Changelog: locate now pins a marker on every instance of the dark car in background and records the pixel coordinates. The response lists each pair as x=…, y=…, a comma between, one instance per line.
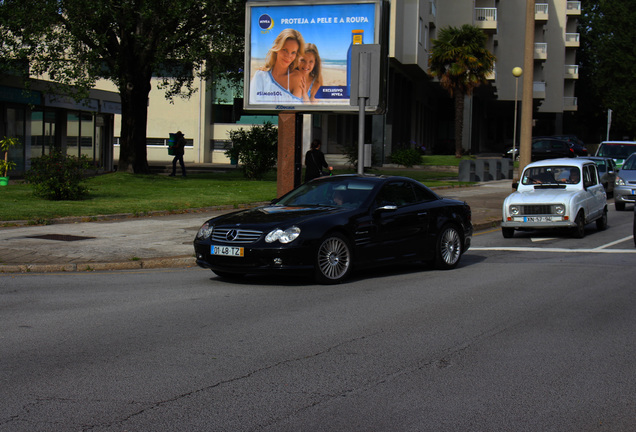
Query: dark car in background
x=550, y=148
x=577, y=145
x=332, y=225
x=607, y=170
x=546, y=148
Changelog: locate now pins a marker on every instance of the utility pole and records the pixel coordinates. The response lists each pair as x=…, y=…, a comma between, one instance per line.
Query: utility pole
x=525, y=141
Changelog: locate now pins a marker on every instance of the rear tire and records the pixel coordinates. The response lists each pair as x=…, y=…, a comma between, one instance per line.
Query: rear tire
x=601, y=223
x=448, y=249
x=333, y=259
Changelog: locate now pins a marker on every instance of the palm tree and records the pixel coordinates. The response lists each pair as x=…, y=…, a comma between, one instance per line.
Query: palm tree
x=461, y=62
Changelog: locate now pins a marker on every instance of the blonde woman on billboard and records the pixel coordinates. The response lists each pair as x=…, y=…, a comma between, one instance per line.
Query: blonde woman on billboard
x=272, y=83
x=307, y=79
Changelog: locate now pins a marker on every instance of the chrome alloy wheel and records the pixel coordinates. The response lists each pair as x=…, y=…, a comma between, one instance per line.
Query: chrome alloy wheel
x=449, y=248
x=333, y=260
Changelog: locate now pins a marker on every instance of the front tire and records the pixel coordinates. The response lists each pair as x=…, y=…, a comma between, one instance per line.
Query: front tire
x=508, y=232
x=620, y=206
x=448, y=249
x=333, y=259
x=579, y=230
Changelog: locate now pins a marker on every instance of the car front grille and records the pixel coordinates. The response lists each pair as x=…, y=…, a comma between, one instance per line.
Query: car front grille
x=233, y=235
x=537, y=209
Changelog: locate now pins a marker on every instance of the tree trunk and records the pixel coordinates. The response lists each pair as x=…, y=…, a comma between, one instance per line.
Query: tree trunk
x=459, y=123
x=133, y=156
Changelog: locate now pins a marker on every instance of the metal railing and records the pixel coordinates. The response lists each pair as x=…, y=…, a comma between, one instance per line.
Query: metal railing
x=485, y=14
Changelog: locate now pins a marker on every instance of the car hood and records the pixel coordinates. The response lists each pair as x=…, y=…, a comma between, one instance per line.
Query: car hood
x=541, y=196
x=273, y=215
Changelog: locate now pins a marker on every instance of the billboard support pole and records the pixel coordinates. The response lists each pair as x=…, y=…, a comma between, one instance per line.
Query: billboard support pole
x=365, y=87
x=362, y=102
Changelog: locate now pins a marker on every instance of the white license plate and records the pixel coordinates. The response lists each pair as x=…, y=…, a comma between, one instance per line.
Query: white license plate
x=227, y=251
x=537, y=219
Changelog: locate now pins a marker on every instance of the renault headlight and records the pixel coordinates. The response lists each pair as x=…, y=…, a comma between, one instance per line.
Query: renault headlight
x=514, y=210
x=286, y=236
x=205, y=231
x=559, y=209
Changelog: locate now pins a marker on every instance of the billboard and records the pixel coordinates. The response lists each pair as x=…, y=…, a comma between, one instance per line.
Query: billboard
x=298, y=53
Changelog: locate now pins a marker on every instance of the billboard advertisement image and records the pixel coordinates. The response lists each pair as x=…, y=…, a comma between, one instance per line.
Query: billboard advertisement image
x=298, y=55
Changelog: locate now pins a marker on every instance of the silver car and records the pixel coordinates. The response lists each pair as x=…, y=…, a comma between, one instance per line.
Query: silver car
x=556, y=193
x=625, y=184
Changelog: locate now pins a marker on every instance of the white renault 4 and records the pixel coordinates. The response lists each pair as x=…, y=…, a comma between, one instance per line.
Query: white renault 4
x=556, y=193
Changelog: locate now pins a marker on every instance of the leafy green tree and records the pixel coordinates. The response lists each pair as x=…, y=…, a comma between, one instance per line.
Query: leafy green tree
x=608, y=61
x=461, y=62
x=256, y=150
x=127, y=42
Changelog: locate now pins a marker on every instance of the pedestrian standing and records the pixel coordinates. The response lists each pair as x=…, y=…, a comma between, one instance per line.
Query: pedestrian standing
x=179, y=150
x=315, y=162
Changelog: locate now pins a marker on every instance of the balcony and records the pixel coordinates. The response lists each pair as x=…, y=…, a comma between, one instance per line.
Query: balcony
x=570, y=104
x=538, y=90
x=573, y=8
x=486, y=18
x=571, y=71
x=492, y=75
x=572, y=40
x=540, y=51
x=541, y=12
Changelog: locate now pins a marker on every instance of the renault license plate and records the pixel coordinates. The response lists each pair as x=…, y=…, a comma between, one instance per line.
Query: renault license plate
x=537, y=219
x=227, y=251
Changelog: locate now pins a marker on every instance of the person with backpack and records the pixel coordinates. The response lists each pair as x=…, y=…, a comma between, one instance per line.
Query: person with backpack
x=179, y=150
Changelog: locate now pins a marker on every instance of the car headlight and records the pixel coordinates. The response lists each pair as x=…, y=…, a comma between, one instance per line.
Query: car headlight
x=559, y=209
x=619, y=181
x=514, y=210
x=286, y=236
x=205, y=231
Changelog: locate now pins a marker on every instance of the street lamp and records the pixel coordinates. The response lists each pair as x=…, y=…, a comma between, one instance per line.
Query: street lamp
x=516, y=71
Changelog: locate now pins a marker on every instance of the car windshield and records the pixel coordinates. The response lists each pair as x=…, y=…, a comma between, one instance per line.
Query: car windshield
x=348, y=192
x=551, y=175
x=616, y=151
x=630, y=163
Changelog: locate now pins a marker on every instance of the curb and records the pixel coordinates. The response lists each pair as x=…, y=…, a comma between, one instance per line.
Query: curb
x=146, y=263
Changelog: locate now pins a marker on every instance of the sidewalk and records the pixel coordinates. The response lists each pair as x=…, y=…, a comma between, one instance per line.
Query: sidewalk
x=163, y=241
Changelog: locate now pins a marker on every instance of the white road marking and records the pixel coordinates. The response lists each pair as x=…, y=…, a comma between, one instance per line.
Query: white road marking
x=555, y=250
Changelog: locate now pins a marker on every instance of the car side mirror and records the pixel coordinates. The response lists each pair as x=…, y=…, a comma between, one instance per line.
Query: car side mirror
x=515, y=185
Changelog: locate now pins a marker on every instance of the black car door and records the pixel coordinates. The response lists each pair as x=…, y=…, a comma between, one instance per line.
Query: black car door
x=400, y=220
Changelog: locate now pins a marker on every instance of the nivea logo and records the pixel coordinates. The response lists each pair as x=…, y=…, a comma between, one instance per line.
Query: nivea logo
x=265, y=22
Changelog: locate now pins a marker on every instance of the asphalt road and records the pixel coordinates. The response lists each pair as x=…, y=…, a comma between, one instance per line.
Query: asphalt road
x=531, y=333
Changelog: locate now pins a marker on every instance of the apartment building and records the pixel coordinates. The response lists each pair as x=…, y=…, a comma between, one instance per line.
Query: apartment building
x=418, y=112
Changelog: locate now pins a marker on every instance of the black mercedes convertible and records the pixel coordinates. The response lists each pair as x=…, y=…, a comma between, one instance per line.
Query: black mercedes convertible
x=332, y=226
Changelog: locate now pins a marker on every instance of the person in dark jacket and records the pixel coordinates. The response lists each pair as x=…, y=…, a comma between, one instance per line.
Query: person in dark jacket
x=315, y=162
x=179, y=150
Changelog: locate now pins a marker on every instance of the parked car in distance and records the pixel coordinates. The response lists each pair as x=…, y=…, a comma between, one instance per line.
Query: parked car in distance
x=625, y=185
x=556, y=193
x=576, y=144
x=607, y=170
x=634, y=230
x=331, y=225
x=617, y=150
x=546, y=148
